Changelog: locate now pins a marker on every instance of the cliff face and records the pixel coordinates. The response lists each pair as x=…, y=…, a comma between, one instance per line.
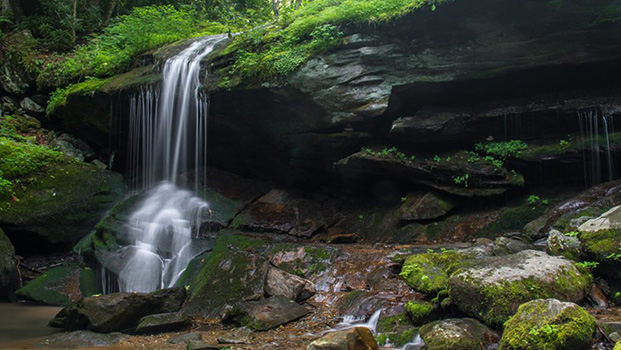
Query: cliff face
x=429, y=82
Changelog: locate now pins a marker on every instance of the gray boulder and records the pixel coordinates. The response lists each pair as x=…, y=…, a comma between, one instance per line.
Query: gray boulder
x=457, y=334
x=493, y=288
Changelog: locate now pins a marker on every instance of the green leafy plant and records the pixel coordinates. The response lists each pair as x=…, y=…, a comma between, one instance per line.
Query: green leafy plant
x=587, y=264
x=462, y=179
x=572, y=234
x=534, y=200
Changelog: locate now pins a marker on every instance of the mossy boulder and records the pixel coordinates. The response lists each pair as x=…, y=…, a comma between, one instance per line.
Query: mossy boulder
x=617, y=346
x=549, y=325
x=493, y=288
x=429, y=272
x=60, y=205
x=457, y=334
x=8, y=270
x=62, y=286
x=235, y=270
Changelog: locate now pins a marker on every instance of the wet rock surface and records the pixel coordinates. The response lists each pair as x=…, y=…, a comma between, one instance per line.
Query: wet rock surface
x=265, y=314
x=8, y=269
x=80, y=339
x=160, y=323
x=118, y=311
x=358, y=338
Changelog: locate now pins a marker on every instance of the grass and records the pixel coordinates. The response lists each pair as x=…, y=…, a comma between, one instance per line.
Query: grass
x=112, y=51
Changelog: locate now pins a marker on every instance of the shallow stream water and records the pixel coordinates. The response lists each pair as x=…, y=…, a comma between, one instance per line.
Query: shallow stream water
x=22, y=322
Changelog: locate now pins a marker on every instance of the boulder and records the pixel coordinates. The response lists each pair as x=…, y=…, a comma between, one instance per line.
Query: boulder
x=283, y=212
x=617, y=346
x=457, y=334
x=549, y=324
x=80, y=340
x=160, y=323
x=559, y=244
x=61, y=286
x=279, y=282
x=8, y=270
x=357, y=338
x=428, y=206
x=60, y=205
x=265, y=314
x=233, y=271
x=610, y=220
x=73, y=147
x=118, y=311
x=493, y=288
x=420, y=311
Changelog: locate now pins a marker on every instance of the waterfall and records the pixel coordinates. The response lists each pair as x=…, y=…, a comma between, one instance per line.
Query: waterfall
x=167, y=137
x=595, y=138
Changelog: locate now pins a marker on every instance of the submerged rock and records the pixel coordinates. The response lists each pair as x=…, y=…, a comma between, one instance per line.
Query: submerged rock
x=118, y=311
x=358, y=338
x=293, y=287
x=80, y=339
x=457, y=334
x=265, y=314
x=8, y=269
x=62, y=286
x=493, y=288
x=549, y=324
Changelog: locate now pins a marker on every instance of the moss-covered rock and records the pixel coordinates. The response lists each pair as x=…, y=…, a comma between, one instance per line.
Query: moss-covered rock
x=395, y=329
x=549, y=325
x=493, y=288
x=234, y=271
x=61, y=204
x=62, y=286
x=8, y=270
x=457, y=334
x=430, y=272
x=420, y=311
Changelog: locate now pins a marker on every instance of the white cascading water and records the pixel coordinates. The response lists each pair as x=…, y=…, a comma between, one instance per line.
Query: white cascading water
x=167, y=138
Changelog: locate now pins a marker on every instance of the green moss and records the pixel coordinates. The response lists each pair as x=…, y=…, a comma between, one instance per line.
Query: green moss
x=387, y=324
x=60, y=97
x=504, y=297
x=269, y=52
x=513, y=219
x=397, y=339
x=20, y=159
x=61, y=286
x=535, y=327
x=419, y=311
x=430, y=272
x=601, y=244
